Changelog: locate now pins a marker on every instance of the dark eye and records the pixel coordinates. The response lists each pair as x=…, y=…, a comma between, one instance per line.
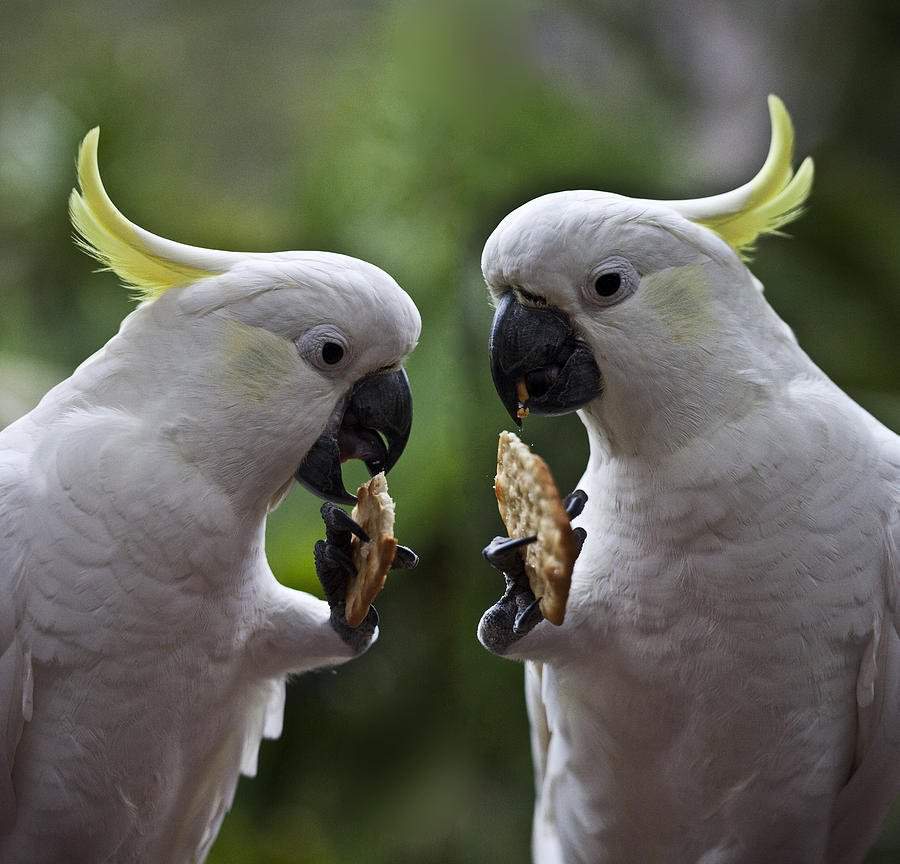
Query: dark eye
x=611, y=282
x=332, y=353
x=325, y=347
x=606, y=284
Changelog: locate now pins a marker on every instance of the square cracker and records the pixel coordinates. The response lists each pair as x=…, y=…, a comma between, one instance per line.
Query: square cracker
x=529, y=504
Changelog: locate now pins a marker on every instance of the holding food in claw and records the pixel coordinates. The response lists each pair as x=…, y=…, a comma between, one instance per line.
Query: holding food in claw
x=374, y=554
x=538, y=556
x=352, y=563
x=725, y=686
x=144, y=641
x=530, y=508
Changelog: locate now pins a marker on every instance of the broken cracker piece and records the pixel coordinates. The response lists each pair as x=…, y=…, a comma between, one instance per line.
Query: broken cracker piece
x=530, y=504
x=522, y=396
x=374, y=512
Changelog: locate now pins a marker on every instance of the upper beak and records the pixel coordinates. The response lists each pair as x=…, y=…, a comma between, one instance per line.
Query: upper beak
x=538, y=363
x=372, y=424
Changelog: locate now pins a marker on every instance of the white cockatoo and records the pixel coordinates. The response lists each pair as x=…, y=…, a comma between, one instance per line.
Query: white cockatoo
x=724, y=687
x=144, y=641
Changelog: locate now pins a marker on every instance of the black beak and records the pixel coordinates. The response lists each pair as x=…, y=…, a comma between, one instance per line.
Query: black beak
x=538, y=363
x=372, y=424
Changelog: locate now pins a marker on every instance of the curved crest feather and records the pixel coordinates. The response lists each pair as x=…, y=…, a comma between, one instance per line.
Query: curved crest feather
x=764, y=205
x=148, y=264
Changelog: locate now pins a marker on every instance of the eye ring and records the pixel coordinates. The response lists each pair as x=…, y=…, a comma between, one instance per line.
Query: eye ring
x=324, y=347
x=611, y=281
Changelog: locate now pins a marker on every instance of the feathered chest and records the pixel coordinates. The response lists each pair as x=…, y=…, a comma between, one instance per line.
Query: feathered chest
x=764, y=545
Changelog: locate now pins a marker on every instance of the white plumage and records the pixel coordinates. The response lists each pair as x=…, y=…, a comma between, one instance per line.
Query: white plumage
x=144, y=641
x=725, y=685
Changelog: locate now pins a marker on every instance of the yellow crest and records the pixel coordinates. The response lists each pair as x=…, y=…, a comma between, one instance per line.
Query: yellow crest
x=148, y=264
x=772, y=199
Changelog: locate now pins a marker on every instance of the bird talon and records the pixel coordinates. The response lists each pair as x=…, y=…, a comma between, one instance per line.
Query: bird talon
x=574, y=503
x=499, y=553
x=404, y=559
x=528, y=618
x=339, y=522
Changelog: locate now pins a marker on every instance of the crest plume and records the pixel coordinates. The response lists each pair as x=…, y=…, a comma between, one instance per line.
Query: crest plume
x=149, y=264
x=768, y=202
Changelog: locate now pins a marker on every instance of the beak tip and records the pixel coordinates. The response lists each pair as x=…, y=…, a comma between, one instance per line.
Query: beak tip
x=341, y=496
x=333, y=492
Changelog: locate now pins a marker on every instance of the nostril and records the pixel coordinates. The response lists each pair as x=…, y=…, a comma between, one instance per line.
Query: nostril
x=539, y=381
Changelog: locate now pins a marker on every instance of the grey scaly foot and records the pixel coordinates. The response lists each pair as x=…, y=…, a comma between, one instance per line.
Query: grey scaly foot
x=518, y=611
x=334, y=567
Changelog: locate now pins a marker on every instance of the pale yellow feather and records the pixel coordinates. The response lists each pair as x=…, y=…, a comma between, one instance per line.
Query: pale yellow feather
x=777, y=195
x=108, y=236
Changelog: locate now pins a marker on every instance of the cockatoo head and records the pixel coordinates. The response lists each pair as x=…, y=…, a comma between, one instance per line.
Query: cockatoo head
x=258, y=366
x=641, y=313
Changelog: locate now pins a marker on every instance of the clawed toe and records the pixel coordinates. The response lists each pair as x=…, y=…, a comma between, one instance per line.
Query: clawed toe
x=502, y=552
x=339, y=521
x=574, y=503
x=518, y=611
x=404, y=559
x=528, y=618
x=335, y=569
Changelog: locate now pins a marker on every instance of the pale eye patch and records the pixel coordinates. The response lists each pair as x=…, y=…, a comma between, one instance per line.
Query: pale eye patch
x=681, y=298
x=256, y=362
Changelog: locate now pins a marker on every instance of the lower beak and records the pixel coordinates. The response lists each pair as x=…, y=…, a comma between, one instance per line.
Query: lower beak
x=371, y=424
x=538, y=363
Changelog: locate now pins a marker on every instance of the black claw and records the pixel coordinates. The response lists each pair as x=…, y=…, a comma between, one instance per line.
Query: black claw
x=574, y=503
x=333, y=579
x=518, y=611
x=528, y=617
x=340, y=522
x=499, y=552
x=405, y=559
x=340, y=558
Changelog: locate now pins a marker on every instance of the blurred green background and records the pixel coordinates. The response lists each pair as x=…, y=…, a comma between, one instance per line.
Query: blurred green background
x=402, y=132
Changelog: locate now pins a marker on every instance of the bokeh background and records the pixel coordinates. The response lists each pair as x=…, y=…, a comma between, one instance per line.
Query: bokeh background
x=401, y=132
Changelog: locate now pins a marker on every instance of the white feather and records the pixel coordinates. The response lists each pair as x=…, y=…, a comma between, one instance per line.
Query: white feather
x=133, y=502
x=724, y=687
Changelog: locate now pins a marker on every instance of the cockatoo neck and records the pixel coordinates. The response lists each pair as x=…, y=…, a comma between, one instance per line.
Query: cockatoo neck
x=223, y=417
x=675, y=406
x=657, y=423
x=666, y=398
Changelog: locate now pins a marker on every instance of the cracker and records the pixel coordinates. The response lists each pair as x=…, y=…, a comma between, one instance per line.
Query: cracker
x=374, y=511
x=530, y=504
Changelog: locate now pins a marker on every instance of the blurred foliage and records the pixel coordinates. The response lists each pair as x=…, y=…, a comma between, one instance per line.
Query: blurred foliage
x=401, y=132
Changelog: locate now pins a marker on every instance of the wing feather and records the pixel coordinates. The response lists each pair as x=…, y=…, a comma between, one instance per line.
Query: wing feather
x=864, y=801
x=545, y=837
x=15, y=658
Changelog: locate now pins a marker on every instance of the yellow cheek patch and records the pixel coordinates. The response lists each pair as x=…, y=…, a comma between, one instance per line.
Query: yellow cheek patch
x=681, y=299
x=256, y=362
